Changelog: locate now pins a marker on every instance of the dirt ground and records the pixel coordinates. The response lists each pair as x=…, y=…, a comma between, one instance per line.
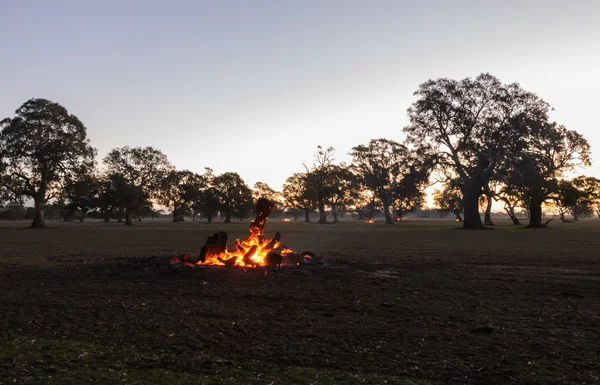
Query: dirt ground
x=406, y=319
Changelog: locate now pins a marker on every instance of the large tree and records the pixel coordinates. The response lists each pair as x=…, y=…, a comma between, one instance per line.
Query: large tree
x=234, y=195
x=141, y=169
x=474, y=125
x=42, y=147
x=299, y=195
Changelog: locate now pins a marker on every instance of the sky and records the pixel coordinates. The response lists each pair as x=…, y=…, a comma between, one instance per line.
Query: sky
x=254, y=86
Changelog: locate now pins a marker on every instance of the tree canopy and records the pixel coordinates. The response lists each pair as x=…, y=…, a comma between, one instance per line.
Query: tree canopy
x=42, y=147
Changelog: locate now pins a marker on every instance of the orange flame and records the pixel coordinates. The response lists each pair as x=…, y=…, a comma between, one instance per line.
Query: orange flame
x=250, y=252
x=369, y=221
x=286, y=219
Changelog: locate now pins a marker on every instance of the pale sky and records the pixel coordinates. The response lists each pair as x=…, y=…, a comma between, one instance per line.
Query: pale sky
x=255, y=86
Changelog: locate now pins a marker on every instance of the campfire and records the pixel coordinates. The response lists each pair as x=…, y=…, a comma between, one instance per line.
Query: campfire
x=254, y=251
x=287, y=220
x=369, y=221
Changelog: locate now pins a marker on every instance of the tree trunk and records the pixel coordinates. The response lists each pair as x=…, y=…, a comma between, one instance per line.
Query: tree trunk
x=295, y=215
x=471, y=193
x=306, y=214
x=38, y=219
x=120, y=215
x=511, y=214
x=209, y=218
x=227, y=216
x=574, y=212
x=81, y=217
x=386, y=212
x=488, y=210
x=128, y=216
x=562, y=216
x=535, y=213
x=322, y=215
x=335, y=215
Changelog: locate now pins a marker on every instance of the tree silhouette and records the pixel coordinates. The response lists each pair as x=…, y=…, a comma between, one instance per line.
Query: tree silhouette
x=474, y=125
x=141, y=170
x=179, y=190
x=234, y=195
x=535, y=172
x=299, y=194
x=449, y=200
x=42, y=147
x=589, y=188
x=318, y=177
x=82, y=193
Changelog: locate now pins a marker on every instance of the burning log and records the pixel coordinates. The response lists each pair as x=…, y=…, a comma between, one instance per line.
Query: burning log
x=273, y=243
x=255, y=250
x=227, y=262
x=273, y=259
x=247, y=259
x=214, y=246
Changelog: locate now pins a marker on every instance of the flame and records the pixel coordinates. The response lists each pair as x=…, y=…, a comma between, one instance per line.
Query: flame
x=286, y=220
x=457, y=220
x=369, y=221
x=398, y=219
x=250, y=252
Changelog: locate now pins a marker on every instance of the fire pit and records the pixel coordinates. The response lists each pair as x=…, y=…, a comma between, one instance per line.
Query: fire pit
x=254, y=251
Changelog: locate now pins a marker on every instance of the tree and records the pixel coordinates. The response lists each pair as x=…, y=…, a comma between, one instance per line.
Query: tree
x=474, y=125
x=380, y=166
x=42, y=146
x=234, y=195
x=318, y=177
x=589, y=187
x=449, y=200
x=298, y=194
x=408, y=194
x=337, y=189
x=180, y=190
x=535, y=172
x=82, y=193
x=140, y=170
x=263, y=190
x=565, y=199
x=587, y=190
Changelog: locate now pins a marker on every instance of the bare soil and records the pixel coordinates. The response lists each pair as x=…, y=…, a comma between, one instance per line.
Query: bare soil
x=412, y=320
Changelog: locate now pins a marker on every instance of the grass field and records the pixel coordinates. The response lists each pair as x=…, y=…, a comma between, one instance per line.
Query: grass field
x=420, y=302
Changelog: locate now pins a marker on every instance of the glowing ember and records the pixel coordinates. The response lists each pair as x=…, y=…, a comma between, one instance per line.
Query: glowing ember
x=286, y=219
x=457, y=220
x=369, y=221
x=397, y=219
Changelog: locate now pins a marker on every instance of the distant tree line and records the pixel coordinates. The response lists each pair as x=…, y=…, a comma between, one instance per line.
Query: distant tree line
x=484, y=141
